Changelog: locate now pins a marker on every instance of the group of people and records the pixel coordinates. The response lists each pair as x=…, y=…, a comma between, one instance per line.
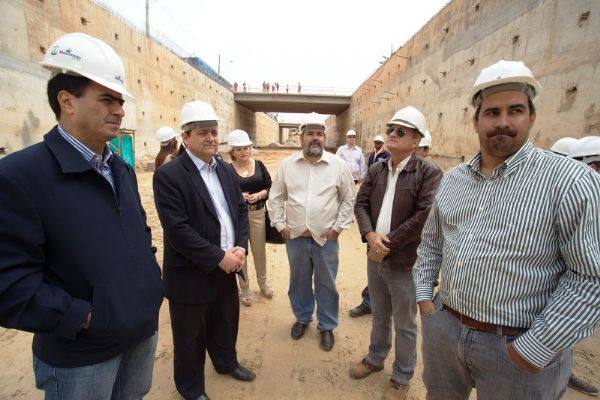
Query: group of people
x=235, y=87
x=501, y=256
x=274, y=87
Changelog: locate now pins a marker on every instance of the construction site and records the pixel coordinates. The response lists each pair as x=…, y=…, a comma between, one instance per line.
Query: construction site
x=433, y=71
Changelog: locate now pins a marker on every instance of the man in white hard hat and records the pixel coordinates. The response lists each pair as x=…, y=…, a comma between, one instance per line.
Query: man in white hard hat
x=424, y=145
x=311, y=203
x=353, y=156
x=379, y=153
x=76, y=266
x=563, y=147
x=513, y=237
x=587, y=151
x=391, y=208
x=205, y=225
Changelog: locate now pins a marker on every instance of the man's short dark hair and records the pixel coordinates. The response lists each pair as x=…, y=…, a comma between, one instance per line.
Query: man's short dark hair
x=529, y=104
x=73, y=84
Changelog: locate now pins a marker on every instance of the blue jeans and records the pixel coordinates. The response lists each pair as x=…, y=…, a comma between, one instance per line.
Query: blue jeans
x=457, y=358
x=393, y=299
x=127, y=376
x=366, y=299
x=306, y=258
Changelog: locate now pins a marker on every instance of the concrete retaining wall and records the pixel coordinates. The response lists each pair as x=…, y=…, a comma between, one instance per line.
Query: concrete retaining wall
x=435, y=70
x=159, y=79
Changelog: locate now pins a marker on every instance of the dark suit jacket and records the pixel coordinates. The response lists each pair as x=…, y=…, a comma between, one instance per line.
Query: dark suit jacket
x=68, y=244
x=415, y=191
x=192, y=233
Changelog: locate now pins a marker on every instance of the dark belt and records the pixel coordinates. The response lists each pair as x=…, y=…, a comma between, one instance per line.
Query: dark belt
x=256, y=206
x=484, y=326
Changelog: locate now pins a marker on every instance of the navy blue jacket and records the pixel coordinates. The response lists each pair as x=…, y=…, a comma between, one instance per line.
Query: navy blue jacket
x=69, y=245
x=192, y=232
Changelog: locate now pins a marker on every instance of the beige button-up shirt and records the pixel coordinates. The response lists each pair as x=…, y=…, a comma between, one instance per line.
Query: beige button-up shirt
x=313, y=197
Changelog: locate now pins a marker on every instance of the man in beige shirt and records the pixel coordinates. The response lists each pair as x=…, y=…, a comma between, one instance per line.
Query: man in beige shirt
x=311, y=201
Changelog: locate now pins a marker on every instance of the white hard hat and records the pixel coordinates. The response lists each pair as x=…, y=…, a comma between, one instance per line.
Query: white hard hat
x=378, y=138
x=563, y=145
x=425, y=140
x=312, y=119
x=504, y=72
x=197, y=111
x=409, y=117
x=350, y=133
x=81, y=54
x=238, y=138
x=586, y=148
x=165, y=134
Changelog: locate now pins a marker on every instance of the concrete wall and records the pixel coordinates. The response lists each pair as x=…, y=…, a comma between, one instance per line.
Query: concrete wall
x=435, y=70
x=160, y=81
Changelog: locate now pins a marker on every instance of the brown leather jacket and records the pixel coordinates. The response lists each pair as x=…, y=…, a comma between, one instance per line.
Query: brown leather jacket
x=415, y=191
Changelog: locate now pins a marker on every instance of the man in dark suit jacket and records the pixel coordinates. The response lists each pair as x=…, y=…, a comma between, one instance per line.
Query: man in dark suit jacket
x=76, y=266
x=205, y=223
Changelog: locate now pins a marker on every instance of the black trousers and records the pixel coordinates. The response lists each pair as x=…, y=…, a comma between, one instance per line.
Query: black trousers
x=198, y=328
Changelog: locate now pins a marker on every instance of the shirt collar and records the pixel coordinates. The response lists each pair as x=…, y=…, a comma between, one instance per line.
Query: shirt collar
x=400, y=167
x=511, y=164
x=325, y=157
x=85, y=151
x=201, y=164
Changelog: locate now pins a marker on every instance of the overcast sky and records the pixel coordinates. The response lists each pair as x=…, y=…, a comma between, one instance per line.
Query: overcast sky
x=319, y=43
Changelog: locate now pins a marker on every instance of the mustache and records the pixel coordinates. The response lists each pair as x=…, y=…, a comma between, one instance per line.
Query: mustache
x=502, y=131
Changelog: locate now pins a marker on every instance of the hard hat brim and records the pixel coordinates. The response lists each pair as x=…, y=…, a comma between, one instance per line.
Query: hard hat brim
x=110, y=85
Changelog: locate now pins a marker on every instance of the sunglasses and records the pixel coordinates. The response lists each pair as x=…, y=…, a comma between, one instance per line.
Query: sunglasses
x=352, y=137
x=399, y=131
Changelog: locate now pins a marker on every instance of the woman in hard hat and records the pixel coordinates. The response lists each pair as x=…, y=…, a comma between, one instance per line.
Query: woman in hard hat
x=168, y=145
x=255, y=183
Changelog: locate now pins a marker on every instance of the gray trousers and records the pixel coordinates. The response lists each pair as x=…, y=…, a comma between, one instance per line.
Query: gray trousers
x=457, y=358
x=393, y=300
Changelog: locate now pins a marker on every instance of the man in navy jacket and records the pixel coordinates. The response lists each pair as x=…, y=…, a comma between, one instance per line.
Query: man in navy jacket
x=76, y=266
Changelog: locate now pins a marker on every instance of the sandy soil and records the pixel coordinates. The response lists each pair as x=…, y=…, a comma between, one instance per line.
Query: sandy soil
x=285, y=369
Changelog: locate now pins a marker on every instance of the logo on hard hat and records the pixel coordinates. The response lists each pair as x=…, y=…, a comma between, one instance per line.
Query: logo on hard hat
x=68, y=53
x=54, y=50
x=118, y=78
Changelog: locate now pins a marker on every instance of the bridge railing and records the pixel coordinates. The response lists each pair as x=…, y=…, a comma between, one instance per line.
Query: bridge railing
x=324, y=90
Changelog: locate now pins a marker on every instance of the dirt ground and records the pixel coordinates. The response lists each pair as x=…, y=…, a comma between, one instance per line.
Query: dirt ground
x=285, y=369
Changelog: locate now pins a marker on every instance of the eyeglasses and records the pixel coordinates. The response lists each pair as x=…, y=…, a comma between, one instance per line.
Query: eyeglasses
x=351, y=137
x=399, y=131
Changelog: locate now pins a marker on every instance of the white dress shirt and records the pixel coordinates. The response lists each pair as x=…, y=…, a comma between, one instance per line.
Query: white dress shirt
x=387, y=205
x=354, y=159
x=211, y=179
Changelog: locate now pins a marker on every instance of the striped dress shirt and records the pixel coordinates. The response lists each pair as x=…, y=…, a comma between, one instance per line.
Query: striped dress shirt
x=101, y=164
x=519, y=249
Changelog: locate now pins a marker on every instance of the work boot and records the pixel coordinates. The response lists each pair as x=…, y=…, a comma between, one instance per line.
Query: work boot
x=363, y=368
x=360, y=310
x=582, y=386
x=266, y=291
x=245, y=296
x=396, y=391
x=298, y=330
x=327, y=340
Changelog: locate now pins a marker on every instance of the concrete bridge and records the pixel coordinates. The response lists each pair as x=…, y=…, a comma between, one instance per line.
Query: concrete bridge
x=293, y=103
